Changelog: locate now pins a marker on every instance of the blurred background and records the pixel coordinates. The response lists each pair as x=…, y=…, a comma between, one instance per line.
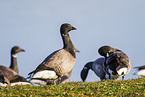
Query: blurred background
x=34, y=26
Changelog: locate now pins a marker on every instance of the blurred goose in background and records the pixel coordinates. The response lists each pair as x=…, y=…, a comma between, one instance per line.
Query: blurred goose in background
x=10, y=75
x=116, y=63
x=13, y=69
x=141, y=71
x=60, y=62
x=14, y=51
x=15, y=80
x=97, y=67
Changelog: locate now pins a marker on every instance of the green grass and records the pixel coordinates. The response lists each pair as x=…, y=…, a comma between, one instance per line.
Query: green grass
x=134, y=87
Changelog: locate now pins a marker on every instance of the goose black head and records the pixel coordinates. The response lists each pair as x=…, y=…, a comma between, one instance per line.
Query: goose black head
x=65, y=28
x=16, y=49
x=104, y=50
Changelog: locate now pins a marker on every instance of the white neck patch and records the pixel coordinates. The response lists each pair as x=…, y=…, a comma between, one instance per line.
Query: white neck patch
x=14, y=55
x=65, y=35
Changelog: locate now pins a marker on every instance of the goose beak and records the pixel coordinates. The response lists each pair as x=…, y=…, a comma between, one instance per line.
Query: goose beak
x=23, y=50
x=73, y=28
x=77, y=50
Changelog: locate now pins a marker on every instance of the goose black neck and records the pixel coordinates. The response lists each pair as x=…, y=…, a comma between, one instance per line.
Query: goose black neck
x=89, y=65
x=68, y=45
x=14, y=65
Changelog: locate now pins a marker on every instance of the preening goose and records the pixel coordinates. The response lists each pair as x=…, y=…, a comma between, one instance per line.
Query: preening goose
x=97, y=67
x=59, y=62
x=116, y=62
x=141, y=70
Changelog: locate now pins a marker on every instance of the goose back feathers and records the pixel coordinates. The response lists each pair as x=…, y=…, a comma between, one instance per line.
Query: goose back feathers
x=61, y=61
x=55, y=62
x=10, y=75
x=7, y=72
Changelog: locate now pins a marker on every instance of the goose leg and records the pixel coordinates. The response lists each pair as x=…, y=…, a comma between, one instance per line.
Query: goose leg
x=59, y=80
x=122, y=77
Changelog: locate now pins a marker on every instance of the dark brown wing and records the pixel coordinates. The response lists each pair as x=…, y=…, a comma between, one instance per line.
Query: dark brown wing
x=8, y=73
x=43, y=66
x=140, y=67
x=18, y=78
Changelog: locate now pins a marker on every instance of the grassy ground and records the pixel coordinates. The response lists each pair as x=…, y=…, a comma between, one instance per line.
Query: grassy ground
x=135, y=87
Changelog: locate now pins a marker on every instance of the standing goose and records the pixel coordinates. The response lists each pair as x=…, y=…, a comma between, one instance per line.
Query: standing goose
x=116, y=62
x=141, y=71
x=59, y=62
x=97, y=67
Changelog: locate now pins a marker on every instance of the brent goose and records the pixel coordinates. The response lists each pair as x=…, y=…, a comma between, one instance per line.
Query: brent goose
x=13, y=70
x=14, y=51
x=116, y=62
x=97, y=67
x=59, y=62
x=10, y=75
x=141, y=71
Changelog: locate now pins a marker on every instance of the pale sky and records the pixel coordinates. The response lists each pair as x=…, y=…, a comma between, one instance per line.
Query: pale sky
x=34, y=26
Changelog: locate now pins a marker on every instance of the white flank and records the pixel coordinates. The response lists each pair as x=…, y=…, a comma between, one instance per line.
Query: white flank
x=141, y=72
x=20, y=83
x=3, y=84
x=120, y=71
x=16, y=83
x=45, y=74
x=40, y=82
